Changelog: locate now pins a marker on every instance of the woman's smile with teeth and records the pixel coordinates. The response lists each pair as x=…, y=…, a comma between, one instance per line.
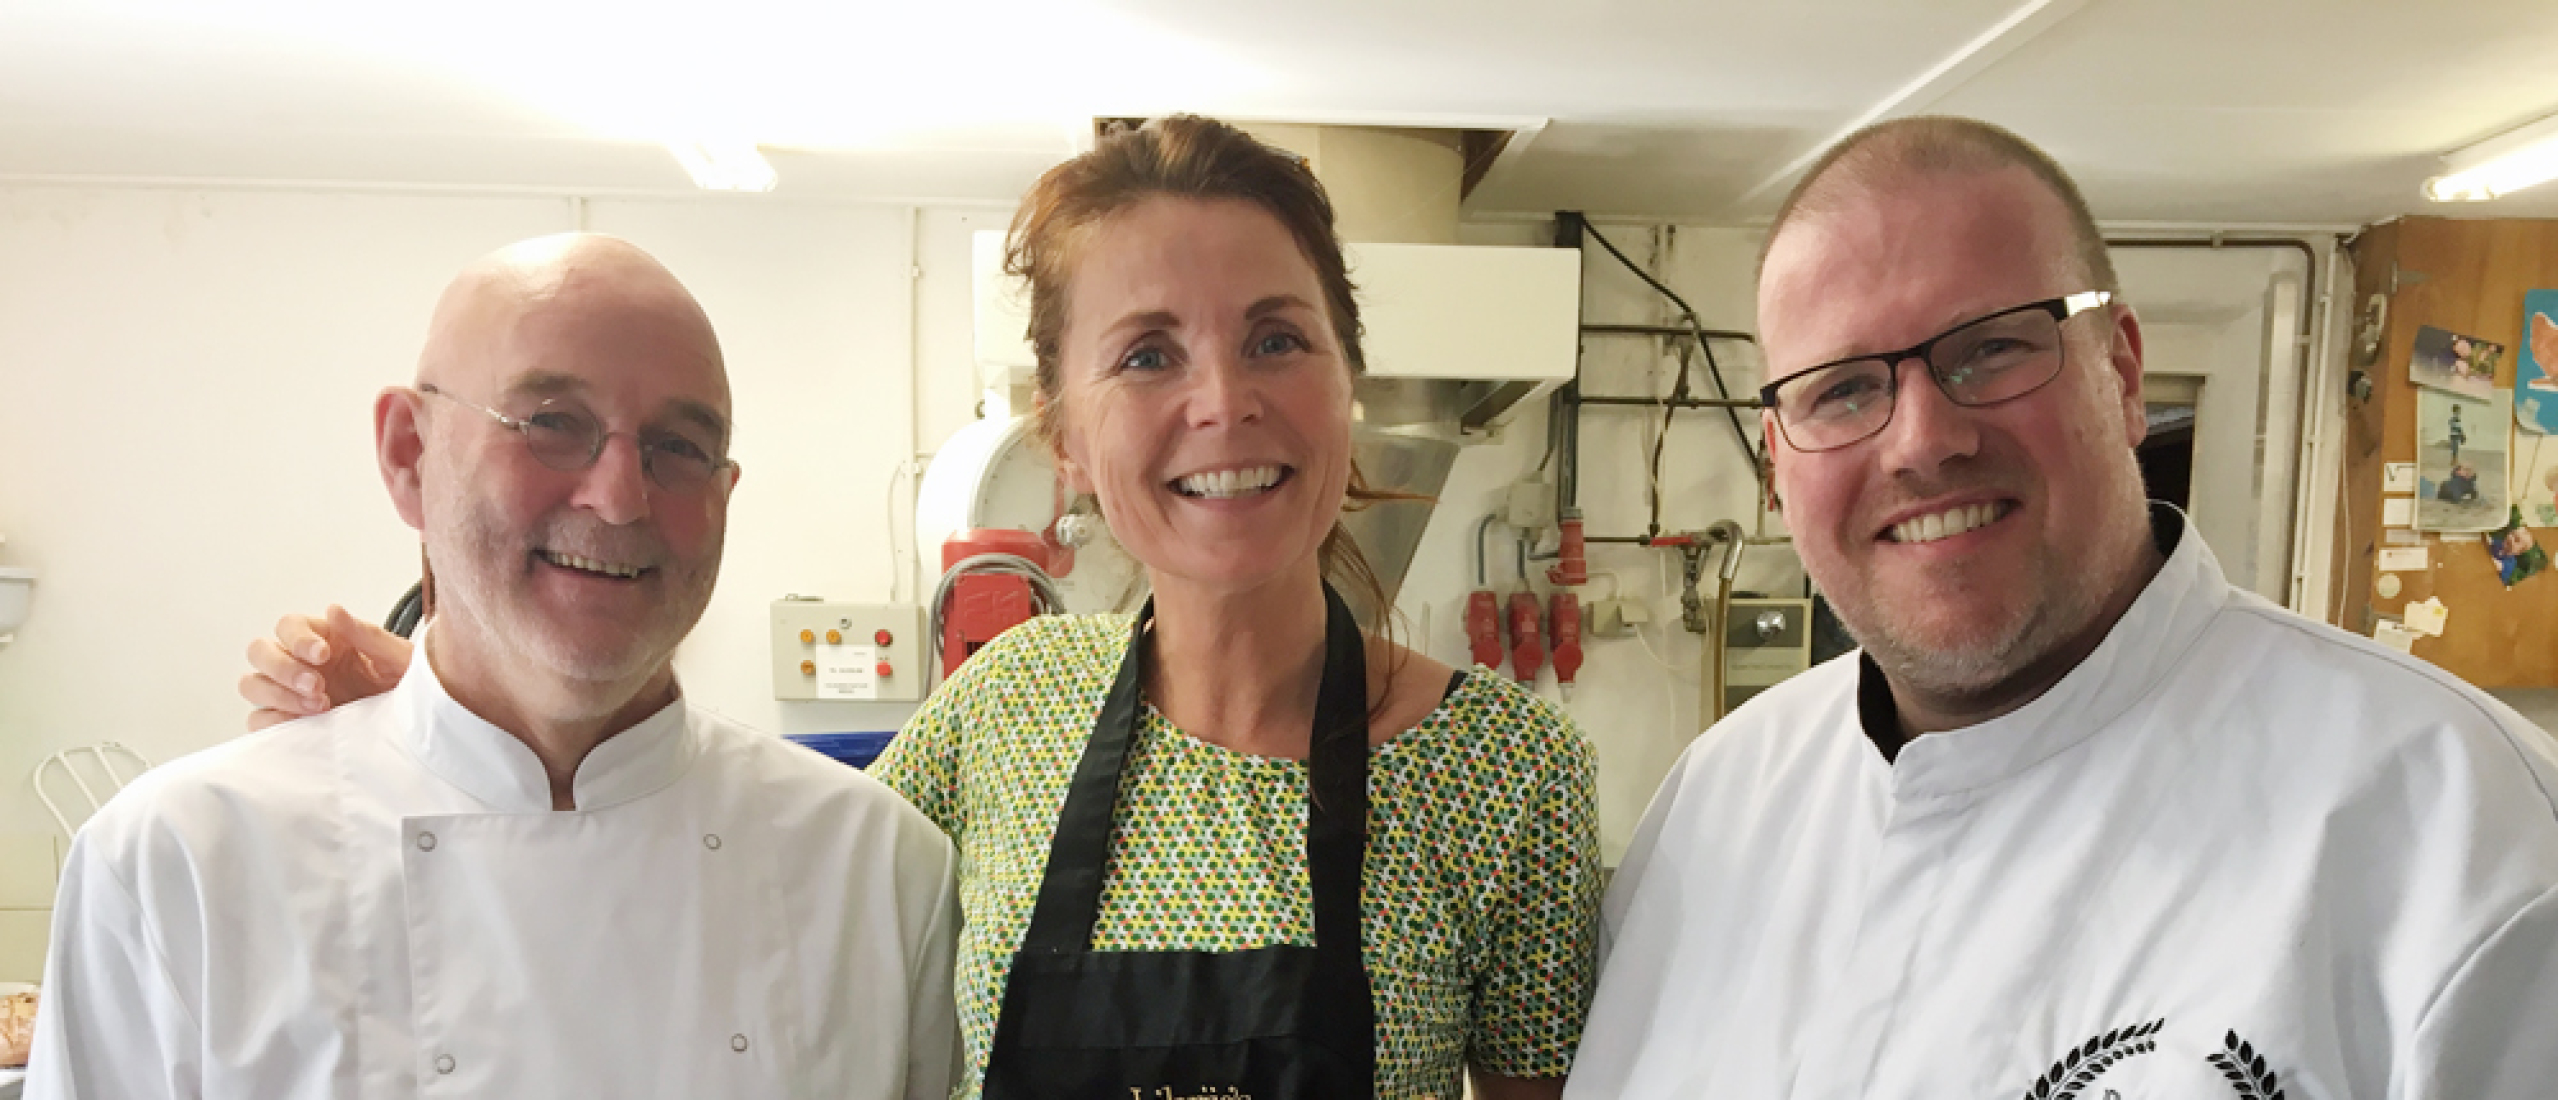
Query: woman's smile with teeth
x=1948, y=523
x=590, y=565
x=1221, y=484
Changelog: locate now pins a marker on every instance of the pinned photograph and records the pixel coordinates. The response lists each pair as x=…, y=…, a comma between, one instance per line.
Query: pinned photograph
x=2453, y=363
x=2536, y=369
x=2461, y=448
x=2517, y=553
x=2536, y=479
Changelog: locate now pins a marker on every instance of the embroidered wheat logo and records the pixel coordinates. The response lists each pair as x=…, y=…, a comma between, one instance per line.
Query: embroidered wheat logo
x=2246, y=1069
x=2089, y=1060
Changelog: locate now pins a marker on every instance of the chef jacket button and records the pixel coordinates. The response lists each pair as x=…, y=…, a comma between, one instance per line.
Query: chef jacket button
x=737, y=1043
x=426, y=842
x=710, y=841
x=443, y=1063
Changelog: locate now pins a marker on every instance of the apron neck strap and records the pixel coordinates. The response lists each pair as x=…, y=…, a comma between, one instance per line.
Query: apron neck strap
x=1069, y=901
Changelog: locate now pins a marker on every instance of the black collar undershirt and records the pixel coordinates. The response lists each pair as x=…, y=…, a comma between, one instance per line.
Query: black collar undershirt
x=1874, y=708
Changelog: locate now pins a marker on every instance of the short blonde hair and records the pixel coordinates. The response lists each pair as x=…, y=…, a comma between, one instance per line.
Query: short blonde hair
x=1878, y=155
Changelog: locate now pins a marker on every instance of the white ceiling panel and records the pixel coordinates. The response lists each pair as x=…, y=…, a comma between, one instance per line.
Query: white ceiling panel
x=2205, y=111
x=2274, y=110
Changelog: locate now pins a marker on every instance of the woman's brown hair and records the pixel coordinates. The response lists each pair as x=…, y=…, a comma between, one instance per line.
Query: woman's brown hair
x=1188, y=157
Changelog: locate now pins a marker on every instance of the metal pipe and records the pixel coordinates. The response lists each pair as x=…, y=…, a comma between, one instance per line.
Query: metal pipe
x=1568, y=226
x=1677, y=540
x=1681, y=331
x=906, y=575
x=1729, y=534
x=2322, y=506
x=2311, y=509
x=1676, y=402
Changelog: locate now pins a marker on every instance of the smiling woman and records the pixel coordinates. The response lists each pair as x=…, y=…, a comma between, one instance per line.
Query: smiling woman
x=1279, y=816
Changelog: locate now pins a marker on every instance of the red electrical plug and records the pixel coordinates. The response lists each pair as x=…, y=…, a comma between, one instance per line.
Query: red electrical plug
x=1565, y=625
x=1574, y=566
x=1483, y=627
x=1527, y=636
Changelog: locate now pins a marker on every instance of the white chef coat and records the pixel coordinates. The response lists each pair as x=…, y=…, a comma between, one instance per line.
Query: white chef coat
x=2234, y=851
x=380, y=902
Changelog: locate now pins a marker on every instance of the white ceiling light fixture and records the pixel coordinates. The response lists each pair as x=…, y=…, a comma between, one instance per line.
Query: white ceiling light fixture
x=725, y=165
x=2500, y=165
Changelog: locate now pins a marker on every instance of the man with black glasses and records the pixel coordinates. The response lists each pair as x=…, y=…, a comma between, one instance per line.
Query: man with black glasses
x=2080, y=819
x=528, y=870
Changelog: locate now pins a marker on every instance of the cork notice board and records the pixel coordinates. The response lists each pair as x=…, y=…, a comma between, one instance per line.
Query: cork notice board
x=2468, y=277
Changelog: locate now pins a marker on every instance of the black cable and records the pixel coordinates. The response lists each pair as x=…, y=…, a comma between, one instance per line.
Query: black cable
x=1687, y=316
x=1566, y=405
x=1567, y=480
x=1553, y=433
x=1678, y=391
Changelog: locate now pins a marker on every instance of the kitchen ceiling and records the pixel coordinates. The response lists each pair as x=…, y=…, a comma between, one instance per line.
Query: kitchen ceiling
x=2223, y=112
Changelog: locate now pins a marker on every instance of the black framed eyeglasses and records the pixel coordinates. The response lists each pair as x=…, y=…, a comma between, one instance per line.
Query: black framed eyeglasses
x=567, y=436
x=1984, y=361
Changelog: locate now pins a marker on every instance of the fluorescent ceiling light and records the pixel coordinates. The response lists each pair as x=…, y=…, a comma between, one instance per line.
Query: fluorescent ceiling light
x=724, y=165
x=2500, y=165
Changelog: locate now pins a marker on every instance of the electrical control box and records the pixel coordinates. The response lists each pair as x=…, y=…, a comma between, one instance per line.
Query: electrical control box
x=854, y=652
x=1764, y=641
x=1529, y=505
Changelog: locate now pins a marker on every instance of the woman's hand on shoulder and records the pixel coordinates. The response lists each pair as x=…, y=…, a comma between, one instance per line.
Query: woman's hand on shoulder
x=313, y=664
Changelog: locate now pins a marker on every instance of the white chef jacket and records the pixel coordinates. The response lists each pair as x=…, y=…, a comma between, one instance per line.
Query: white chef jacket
x=380, y=902
x=2233, y=852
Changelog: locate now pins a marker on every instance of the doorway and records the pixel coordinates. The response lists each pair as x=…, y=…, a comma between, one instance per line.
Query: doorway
x=2167, y=456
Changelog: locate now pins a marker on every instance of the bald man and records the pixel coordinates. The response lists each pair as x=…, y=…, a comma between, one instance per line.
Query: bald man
x=528, y=870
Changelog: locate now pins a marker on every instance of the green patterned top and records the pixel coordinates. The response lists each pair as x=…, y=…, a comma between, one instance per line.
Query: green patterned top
x=1479, y=897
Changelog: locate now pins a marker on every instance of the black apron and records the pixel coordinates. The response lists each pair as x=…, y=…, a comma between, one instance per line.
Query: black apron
x=1271, y=1023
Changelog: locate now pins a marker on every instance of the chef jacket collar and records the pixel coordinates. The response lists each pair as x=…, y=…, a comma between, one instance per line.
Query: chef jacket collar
x=2142, y=648
x=499, y=769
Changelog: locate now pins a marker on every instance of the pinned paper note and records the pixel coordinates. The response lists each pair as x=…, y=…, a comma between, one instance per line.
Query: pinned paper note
x=2395, y=636
x=2403, y=559
x=2400, y=536
x=2398, y=512
x=2427, y=616
x=2397, y=477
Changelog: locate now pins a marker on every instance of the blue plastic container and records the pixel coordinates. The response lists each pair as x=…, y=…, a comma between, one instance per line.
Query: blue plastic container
x=856, y=749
